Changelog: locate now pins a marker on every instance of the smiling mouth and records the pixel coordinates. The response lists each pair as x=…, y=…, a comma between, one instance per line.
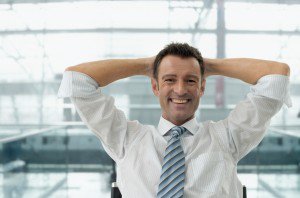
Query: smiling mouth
x=179, y=101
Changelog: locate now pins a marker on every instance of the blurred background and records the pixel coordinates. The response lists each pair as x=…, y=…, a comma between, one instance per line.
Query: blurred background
x=45, y=149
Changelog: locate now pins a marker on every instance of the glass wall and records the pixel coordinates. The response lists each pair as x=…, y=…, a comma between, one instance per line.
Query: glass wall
x=45, y=148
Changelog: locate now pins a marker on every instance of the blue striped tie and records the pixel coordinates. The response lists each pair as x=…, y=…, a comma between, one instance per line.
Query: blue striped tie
x=172, y=174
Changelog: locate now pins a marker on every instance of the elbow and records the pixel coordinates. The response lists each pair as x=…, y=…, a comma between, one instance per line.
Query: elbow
x=71, y=68
x=285, y=69
x=280, y=68
x=78, y=68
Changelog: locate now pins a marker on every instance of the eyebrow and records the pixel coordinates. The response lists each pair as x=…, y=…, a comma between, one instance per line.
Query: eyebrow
x=174, y=75
x=168, y=75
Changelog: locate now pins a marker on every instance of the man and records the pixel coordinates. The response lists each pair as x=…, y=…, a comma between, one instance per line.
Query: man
x=181, y=157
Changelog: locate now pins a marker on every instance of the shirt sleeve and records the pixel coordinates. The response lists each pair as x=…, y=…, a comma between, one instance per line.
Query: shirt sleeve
x=247, y=123
x=99, y=113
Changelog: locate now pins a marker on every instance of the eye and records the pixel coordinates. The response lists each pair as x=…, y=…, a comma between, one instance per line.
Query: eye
x=191, y=81
x=169, y=80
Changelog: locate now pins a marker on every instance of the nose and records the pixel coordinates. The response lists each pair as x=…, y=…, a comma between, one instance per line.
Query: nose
x=180, y=88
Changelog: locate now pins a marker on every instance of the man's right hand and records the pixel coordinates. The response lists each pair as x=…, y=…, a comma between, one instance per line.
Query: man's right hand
x=149, y=66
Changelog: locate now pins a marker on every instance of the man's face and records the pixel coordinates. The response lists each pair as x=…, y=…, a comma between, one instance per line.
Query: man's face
x=179, y=88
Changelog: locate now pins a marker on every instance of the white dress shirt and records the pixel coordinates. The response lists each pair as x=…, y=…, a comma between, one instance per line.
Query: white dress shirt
x=212, y=149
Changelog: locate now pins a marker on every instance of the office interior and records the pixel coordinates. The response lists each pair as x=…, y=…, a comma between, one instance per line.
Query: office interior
x=47, y=151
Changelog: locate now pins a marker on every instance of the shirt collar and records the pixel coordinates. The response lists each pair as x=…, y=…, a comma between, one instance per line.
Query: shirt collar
x=164, y=125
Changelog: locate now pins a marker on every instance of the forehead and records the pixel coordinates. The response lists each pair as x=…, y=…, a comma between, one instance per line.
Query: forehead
x=179, y=66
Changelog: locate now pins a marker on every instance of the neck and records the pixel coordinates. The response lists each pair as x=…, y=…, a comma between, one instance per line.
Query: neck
x=179, y=122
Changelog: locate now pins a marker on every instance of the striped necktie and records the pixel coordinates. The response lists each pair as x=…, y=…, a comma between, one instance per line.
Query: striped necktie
x=172, y=174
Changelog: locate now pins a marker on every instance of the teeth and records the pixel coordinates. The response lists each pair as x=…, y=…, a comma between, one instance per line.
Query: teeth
x=179, y=101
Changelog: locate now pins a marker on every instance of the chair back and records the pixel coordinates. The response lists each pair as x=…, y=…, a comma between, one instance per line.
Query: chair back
x=115, y=192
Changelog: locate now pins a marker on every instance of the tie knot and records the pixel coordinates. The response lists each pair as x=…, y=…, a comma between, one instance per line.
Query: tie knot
x=177, y=131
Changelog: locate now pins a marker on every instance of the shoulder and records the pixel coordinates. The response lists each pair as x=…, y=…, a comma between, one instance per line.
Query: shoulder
x=214, y=126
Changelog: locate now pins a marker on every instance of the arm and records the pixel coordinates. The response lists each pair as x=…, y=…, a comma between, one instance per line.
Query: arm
x=248, y=122
x=108, y=71
x=245, y=69
x=98, y=111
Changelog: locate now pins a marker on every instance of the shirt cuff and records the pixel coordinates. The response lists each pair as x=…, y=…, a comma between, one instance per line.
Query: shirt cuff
x=77, y=84
x=274, y=86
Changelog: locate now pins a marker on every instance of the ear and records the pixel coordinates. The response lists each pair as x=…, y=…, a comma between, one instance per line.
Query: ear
x=154, y=85
x=203, y=83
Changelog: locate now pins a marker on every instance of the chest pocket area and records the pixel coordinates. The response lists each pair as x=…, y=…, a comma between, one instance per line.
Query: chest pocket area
x=208, y=172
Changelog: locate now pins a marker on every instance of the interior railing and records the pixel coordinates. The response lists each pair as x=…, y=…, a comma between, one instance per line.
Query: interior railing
x=37, y=160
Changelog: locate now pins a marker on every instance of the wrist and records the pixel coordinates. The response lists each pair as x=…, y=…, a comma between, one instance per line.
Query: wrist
x=146, y=66
x=142, y=64
x=211, y=66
